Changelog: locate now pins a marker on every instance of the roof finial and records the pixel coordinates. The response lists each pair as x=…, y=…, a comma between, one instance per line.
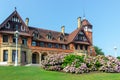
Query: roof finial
x=15, y=8
x=84, y=14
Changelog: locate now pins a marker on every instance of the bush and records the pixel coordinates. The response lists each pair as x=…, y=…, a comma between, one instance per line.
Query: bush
x=74, y=60
x=81, y=64
x=53, y=62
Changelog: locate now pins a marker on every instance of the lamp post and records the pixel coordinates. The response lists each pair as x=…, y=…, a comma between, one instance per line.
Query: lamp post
x=16, y=33
x=115, y=48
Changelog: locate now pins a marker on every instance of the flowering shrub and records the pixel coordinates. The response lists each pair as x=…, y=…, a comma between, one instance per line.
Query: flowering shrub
x=81, y=64
x=112, y=65
x=53, y=62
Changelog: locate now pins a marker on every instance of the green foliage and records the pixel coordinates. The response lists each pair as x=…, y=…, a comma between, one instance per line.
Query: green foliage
x=98, y=64
x=118, y=57
x=73, y=59
x=89, y=65
x=98, y=51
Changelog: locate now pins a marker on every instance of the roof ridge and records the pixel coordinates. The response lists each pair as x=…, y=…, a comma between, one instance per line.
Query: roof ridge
x=45, y=29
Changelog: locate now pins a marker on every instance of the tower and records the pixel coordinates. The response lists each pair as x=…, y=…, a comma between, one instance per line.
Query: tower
x=87, y=27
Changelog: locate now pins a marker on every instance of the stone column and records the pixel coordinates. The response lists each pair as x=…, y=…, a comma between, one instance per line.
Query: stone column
x=78, y=47
x=1, y=55
x=83, y=47
x=10, y=56
x=40, y=59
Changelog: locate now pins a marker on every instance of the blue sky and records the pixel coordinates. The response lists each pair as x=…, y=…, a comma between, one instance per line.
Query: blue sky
x=104, y=15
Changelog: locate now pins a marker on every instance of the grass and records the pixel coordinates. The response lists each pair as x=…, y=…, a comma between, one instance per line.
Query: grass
x=36, y=73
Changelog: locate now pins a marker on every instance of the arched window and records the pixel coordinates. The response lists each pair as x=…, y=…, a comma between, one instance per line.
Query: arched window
x=22, y=28
x=7, y=25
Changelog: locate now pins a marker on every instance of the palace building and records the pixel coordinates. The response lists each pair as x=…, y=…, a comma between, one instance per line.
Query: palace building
x=35, y=43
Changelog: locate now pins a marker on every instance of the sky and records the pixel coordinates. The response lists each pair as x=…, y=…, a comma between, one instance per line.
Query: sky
x=104, y=15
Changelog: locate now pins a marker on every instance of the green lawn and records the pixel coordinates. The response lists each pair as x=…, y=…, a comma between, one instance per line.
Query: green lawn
x=36, y=73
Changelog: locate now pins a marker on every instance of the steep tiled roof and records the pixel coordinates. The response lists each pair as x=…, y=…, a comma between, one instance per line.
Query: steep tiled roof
x=55, y=35
x=73, y=35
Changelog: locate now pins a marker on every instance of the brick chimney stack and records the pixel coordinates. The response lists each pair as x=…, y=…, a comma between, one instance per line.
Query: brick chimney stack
x=63, y=30
x=27, y=21
x=79, y=22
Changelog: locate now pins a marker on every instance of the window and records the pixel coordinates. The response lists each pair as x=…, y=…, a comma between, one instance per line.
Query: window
x=7, y=25
x=81, y=47
x=67, y=46
x=33, y=43
x=13, y=55
x=56, y=45
x=76, y=46
x=5, y=38
x=49, y=36
x=5, y=55
x=14, y=40
x=22, y=28
x=81, y=37
x=61, y=38
x=63, y=46
x=24, y=41
x=16, y=27
x=86, y=47
x=49, y=45
x=41, y=44
x=35, y=35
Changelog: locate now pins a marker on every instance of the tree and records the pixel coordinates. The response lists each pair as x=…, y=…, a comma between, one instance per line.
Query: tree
x=98, y=50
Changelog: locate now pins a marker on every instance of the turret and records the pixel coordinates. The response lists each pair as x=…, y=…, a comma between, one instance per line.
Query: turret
x=87, y=28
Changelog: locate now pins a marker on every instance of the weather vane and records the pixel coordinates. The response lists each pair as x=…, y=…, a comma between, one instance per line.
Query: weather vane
x=15, y=8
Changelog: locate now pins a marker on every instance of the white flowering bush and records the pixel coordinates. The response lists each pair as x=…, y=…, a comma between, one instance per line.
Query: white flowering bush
x=112, y=65
x=53, y=62
x=81, y=64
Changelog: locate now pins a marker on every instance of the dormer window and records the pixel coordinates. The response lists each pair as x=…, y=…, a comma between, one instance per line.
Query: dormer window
x=49, y=36
x=35, y=34
x=61, y=37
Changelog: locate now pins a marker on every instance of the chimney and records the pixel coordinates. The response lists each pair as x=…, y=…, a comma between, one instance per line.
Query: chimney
x=79, y=22
x=63, y=30
x=27, y=21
